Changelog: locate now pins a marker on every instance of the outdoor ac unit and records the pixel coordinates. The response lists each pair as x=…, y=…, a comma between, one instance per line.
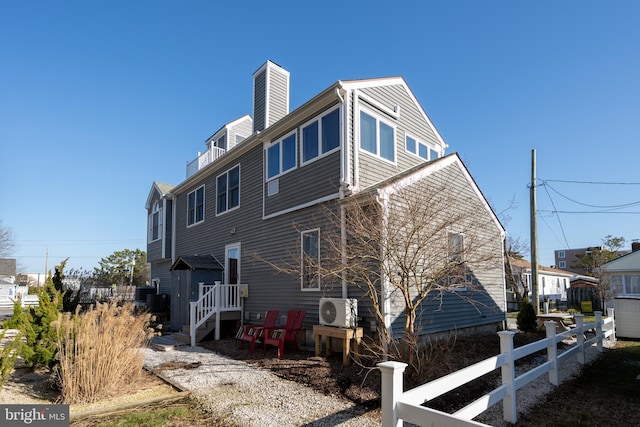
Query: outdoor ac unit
x=339, y=312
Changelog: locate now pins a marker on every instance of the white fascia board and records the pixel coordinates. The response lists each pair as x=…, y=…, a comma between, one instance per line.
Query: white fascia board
x=392, y=81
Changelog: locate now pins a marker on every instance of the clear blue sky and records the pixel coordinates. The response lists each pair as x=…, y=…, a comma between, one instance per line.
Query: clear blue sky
x=99, y=99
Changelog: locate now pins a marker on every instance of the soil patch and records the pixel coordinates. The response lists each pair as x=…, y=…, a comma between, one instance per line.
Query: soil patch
x=361, y=383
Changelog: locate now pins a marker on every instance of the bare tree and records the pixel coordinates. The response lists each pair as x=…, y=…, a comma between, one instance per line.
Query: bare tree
x=596, y=257
x=404, y=245
x=6, y=241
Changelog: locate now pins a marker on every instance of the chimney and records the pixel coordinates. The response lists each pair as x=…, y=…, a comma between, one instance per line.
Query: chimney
x=635, y=246
x=270, y=95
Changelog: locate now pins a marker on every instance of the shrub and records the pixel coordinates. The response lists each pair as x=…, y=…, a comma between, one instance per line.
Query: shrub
x=527, y=321
x=8, y=356
x=35, y=323
x=99, y=351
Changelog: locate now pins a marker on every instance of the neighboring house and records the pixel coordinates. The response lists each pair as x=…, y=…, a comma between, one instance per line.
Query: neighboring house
x=624, y=273
x=553, y=282
x=260, y=191
x=568, y=259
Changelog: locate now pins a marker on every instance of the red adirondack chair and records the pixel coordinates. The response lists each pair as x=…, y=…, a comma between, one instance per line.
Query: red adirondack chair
x=279, y=336
x=251, y=333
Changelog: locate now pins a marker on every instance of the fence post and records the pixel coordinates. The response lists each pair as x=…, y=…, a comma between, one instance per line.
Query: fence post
x=217, y=302
x=610, y=314
x=192, y=322
x=598, y=330
x=580, y=337
x=552, y=350
x=391, y=392
x=509, y=410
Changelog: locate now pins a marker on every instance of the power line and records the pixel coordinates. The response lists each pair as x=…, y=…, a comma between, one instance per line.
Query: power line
x=592, y=182
x=626, y=205
x=564, y=236
x=590, y=212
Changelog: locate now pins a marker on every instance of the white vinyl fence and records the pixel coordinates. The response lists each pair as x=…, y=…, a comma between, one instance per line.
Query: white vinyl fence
x=25, y=300
x=398, y=405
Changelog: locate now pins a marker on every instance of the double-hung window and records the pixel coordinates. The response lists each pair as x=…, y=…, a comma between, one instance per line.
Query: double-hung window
x=310, y=255
x=419, y=148
x=281, y=156
x=228, y=190
x=457, y=269
x=377, y=137
x=321, y=136
x=195, y=206
x=155, y=222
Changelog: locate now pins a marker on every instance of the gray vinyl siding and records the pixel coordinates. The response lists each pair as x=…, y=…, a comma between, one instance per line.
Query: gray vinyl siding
x=210, y=235
x=168, y=220
x=161, y=270
x=305, y=184
x=452, y=310
x=154, y=249
x=373, y=169
x=275, y=240
x=259, y=101
x=278, y=96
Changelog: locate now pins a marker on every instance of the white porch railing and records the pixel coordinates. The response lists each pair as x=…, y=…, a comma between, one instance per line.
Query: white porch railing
x=398, y=405
x=209, y=156
x=215, y=299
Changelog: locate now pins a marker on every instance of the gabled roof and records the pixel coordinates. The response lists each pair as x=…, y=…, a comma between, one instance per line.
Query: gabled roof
x=322, y=100
x=423, y=170
x=628, y=262
x=159, y=187
x=197, y=262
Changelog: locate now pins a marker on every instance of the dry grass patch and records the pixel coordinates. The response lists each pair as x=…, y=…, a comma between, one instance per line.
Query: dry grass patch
x=100, y=351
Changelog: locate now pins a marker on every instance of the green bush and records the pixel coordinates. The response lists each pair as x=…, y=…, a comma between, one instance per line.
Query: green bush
x=35, y=324
x=527, y=321
x=8, y=356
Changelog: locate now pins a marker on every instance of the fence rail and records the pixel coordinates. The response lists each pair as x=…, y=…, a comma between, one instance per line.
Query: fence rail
x=25, y=301
x=398, y=405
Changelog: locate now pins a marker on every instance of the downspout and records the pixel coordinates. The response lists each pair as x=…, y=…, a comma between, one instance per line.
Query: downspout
x=343, y=185
x=385, y=294
x=173, y=198
x=356, y=141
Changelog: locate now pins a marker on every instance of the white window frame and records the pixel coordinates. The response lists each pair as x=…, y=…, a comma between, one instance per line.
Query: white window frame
x=458, y=256
x=419, y=143
x=562, y=264
x=561, y=254
x=157, y=212
x=303, y=257
x=318, y=119
x=227, y=208
x=379, y=120
x=280, y=144
x=228, y=248
x=195, y=207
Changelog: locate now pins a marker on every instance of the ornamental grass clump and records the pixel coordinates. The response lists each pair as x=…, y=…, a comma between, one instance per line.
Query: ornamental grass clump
x=100, y=351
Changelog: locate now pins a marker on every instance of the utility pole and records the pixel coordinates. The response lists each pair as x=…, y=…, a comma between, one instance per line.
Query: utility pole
x=535, y=290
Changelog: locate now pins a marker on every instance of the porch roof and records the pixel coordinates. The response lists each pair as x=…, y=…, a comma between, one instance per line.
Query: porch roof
x=197, y=262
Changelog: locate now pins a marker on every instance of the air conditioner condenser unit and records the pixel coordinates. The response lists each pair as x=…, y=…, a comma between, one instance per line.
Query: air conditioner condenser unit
x=339, y=312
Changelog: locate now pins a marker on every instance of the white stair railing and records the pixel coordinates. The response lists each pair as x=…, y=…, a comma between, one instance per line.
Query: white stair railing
x=215, y=299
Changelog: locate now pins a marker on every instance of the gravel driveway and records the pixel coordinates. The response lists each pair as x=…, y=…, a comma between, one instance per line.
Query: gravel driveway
x=249, y=396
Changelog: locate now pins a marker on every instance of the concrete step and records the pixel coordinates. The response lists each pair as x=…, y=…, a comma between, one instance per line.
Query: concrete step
x=168, y=342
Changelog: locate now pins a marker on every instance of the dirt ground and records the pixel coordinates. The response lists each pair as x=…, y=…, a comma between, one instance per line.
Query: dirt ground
x=361, y=383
